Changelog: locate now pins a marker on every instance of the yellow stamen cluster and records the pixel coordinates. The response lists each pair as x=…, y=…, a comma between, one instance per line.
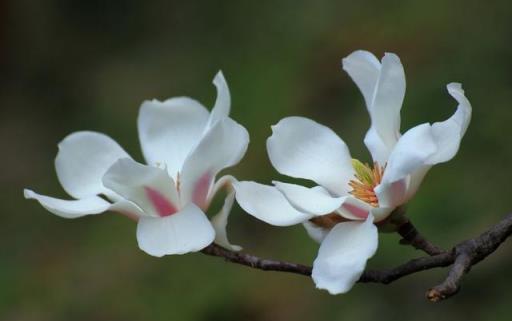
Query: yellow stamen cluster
x=367, y=178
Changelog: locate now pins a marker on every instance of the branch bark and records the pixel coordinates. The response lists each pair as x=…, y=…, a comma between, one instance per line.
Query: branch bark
x=461, y=258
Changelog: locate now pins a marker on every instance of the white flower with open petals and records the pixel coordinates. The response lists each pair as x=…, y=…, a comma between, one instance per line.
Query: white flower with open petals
x=341, y=211
x=185, y=147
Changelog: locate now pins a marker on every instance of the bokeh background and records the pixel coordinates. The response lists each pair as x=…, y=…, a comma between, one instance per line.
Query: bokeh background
x=77, y=65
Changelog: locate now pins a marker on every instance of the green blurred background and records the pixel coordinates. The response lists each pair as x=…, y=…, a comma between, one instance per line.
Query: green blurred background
x=76, y=65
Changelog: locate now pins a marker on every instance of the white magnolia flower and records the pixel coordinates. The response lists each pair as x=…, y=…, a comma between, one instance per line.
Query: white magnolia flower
x=185, y=147
x=351, y=197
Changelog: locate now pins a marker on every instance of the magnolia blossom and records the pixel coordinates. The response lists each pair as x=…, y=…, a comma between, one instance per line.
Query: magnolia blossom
x=350, y=197
x=185, y=147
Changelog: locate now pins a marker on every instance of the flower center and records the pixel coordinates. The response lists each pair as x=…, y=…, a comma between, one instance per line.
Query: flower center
x=366, y=179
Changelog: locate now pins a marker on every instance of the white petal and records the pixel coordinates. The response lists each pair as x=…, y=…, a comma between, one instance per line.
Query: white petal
x=419, y=149
x=128, y=209
x=83, y=159
x=381, y=213
x=411, y=151
x=220, y=221
x=169, y=130
x=364, y=69
x=449, y=133
x=354, y=209
x=186, y=231
x=379, y=151
x=266, y=203
x=221, y=147
x=149, y=187
x=388, y=98
x=316, y=232
x=343, y=254
x=316, y=200
x=300, y=147
x=383, y=88
x=223, y=103
x=70, y=208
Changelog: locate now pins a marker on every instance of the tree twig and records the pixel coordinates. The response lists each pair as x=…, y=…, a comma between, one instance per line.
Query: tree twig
x=462, y=257
x=411, y=236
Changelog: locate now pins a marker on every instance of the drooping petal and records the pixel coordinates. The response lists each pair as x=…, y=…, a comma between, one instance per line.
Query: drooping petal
x=220, y=221
x=70, y=208
x=343, y=254
x=316, y=200
x=447, y=135
x=302, y=148
x=186, y=231
x=222, y=103
x=424, y=146
x=383, y=89
x=149, y=187
x=169, y=130
x=268, y=204
x=83, y=159
x=222, y=146
x=410, y=153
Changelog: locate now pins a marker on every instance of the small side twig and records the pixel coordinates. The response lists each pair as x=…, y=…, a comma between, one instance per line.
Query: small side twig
x=411, y=236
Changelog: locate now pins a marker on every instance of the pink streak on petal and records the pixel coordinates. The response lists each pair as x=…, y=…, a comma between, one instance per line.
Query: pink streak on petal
x=356, y=211
x=201, y=188
x=161, y=204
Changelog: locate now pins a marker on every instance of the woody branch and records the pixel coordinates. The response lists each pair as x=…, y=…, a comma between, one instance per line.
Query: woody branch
x=460, y=257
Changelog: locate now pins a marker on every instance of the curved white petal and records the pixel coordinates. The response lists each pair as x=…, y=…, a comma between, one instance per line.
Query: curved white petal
x=364, y=69
x=70, y=208
x=83, y=159
x=448, y=134
x=379, y=151
x=409, y=155
x=220, y=221
x=388, y=98
x=316, y=200
x=383, y=88
x=149, y=187
x=300, y=147
x=266, y=203
x=343, y=254
x=169, y=130
x=221, y=147
x=185, y=231
x=316, y=232
x=223, y=102
x=419, y=149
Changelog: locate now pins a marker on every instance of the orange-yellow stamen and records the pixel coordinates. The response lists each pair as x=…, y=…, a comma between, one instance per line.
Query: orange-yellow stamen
x=367, y=178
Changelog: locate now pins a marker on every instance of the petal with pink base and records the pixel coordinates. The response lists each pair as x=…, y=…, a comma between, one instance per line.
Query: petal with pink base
x=201, y=189
x=161, y=204
x=150, y=188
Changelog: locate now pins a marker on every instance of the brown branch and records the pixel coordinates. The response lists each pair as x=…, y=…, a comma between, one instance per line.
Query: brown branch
x=463, y=256
x=256, y=262
x=411, y=236
x=467, y=254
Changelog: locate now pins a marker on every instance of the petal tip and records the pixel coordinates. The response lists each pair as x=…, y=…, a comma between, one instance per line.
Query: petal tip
x=28, y=194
